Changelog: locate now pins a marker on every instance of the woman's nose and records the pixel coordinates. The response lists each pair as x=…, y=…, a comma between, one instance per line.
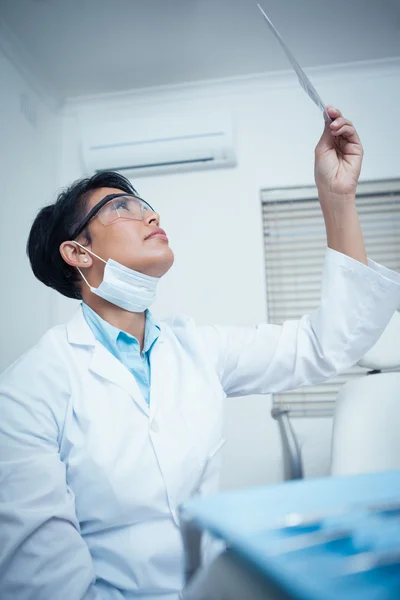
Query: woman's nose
x=151, y=217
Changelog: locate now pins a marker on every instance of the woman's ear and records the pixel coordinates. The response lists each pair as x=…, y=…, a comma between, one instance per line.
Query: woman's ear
x=75, y=256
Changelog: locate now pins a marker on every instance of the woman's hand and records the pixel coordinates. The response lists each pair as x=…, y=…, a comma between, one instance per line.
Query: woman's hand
x=338, y=159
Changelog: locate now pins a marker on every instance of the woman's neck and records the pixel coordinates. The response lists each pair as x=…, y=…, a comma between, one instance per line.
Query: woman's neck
x=130, y=322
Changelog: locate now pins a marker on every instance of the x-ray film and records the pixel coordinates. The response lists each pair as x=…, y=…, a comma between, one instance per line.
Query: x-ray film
x=302, y=77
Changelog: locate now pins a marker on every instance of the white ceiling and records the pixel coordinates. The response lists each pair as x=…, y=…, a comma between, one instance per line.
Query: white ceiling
x=97, y=46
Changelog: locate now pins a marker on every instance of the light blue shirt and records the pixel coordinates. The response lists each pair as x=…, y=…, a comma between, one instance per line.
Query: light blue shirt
x=126, y=347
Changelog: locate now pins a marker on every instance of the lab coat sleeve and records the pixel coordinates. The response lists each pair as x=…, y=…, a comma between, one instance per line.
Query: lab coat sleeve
x=357, y=302
x=42, y=554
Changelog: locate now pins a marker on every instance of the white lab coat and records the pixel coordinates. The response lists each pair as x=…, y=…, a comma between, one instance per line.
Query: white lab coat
x=91, y=477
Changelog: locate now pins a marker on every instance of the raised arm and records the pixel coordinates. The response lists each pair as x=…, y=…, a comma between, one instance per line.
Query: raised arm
x=357, y=301
x=338, y=159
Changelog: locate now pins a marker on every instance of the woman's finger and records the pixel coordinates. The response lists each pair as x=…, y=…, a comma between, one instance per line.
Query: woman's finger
x=333, y=112
x=347, y=131
x=339, y=122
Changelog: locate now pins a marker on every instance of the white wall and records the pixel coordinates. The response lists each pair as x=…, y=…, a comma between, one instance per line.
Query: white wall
x=214, y=222
x=29, y=143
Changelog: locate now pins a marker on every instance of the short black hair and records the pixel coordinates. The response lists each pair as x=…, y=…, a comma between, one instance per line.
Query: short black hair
x=55, y=224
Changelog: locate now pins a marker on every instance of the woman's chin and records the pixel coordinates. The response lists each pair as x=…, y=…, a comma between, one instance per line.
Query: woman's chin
x=157, y=265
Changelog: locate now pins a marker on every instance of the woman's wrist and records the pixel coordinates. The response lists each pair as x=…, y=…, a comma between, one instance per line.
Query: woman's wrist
x=343, y=230
x=336, y=201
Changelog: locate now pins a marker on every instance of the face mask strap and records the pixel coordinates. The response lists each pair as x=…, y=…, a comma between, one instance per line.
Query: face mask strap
x=90, y=252
x=84, y=278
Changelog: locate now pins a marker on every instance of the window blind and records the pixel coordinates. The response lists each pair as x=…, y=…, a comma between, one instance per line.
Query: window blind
x=295, y=246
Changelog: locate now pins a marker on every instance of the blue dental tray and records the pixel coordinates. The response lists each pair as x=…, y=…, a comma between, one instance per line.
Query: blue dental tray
x=359, y=516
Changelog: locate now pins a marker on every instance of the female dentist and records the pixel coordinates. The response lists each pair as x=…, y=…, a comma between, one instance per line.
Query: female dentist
x=113, y=420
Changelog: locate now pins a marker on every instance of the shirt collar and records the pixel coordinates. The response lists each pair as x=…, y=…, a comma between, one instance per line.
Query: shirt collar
x=103, y=328
x=151, y=332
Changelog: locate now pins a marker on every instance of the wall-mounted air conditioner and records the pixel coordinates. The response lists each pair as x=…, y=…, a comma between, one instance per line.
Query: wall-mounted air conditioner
x=147, y=146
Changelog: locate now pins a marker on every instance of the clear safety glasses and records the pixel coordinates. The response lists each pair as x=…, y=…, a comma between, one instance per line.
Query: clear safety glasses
x=113, y=207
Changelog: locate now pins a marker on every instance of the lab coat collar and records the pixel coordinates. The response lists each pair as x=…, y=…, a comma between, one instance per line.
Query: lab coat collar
x=103, y=363
x=78, y=331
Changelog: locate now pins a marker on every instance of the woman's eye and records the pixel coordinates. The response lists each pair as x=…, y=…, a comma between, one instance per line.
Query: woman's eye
x=120, y=204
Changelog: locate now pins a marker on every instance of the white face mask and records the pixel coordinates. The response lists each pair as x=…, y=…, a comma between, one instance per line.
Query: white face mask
x=124, y=287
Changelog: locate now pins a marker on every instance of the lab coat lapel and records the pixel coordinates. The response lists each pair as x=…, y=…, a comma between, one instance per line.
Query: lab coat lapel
x=103, y=363
x=108, y=367
x=161, y=364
